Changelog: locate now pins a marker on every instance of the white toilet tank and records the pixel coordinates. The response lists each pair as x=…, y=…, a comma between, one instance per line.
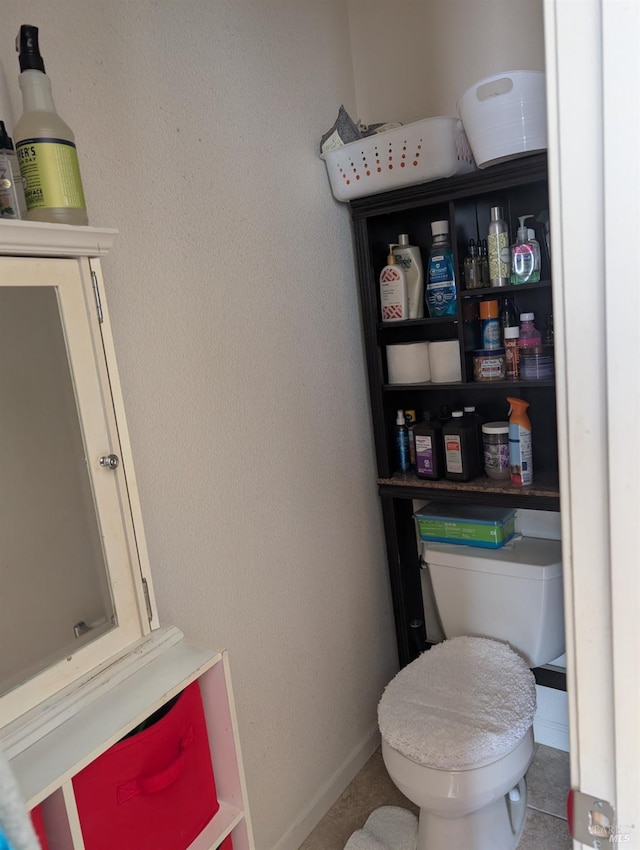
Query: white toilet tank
x=512, y=594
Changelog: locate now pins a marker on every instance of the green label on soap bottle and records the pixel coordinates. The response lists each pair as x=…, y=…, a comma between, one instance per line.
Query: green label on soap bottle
x=51, y=173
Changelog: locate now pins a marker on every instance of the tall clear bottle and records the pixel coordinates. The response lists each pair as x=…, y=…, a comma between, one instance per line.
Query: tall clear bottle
x=499, y=253
x=45, y=145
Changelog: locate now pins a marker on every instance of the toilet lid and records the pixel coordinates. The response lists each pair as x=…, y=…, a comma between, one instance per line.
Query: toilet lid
x=466, y=701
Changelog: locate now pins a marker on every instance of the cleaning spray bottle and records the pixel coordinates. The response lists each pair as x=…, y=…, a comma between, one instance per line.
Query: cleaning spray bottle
x=402, y=443
x=408, y=256
x=394, y=302
x=45, y=145
x=520, y=444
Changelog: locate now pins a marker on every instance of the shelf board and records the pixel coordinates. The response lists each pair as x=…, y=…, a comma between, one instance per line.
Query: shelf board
x=224, y=821
x=416, y=323
x=430, y=386
x=501, y=291
x=543, y=494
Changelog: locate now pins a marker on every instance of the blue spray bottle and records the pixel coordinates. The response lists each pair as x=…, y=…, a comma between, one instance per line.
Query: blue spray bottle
x=402, y=443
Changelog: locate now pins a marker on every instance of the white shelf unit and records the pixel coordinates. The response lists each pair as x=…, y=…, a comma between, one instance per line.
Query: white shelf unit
x=86, y=720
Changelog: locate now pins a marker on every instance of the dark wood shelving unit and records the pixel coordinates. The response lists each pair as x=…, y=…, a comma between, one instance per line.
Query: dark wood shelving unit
x=520, y=188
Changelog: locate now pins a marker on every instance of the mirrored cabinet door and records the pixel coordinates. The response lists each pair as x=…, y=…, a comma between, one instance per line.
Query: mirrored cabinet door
x=70, y=582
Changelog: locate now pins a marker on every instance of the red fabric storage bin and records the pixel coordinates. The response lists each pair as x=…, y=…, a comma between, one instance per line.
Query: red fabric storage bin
x=153, y=790
x=38, y=825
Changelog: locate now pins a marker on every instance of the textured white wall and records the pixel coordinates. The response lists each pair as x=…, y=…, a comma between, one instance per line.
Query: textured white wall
x=236, y=322
x=415, y=58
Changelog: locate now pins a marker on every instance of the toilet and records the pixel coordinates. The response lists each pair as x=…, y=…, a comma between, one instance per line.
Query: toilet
x=457, y=723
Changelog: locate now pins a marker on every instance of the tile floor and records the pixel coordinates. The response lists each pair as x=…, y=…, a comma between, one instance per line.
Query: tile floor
x=545, y=826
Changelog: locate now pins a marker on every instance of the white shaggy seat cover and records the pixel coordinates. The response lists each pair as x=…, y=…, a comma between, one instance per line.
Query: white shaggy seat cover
x=465, y=701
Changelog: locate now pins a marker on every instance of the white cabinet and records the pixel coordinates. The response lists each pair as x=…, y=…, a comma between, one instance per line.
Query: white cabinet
x=89, y=660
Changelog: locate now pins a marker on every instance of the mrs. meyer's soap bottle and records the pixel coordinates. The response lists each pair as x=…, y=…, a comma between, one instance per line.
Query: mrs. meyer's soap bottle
x=45, y=145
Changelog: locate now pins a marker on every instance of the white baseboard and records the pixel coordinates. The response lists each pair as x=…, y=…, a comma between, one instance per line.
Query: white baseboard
x=320, y=804
x=550, y=723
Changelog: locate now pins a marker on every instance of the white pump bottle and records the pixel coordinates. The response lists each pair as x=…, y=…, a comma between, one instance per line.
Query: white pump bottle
x=408, y=256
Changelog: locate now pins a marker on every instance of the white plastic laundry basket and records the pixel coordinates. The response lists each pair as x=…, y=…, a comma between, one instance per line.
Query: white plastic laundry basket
x=414, y=153
x=505, y=116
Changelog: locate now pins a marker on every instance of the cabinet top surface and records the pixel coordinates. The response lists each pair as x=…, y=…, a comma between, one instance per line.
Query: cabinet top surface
x=503, y=175
x=39, y=239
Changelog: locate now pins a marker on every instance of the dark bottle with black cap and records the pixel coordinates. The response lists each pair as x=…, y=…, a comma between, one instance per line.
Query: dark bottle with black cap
x=45, y=145
x=428, y=447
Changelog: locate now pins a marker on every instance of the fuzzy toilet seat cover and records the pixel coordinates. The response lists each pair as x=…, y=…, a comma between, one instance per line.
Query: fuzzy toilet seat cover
x=465, y=701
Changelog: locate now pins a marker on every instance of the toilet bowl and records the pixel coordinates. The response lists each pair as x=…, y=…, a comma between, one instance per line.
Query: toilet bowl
x=457, y=740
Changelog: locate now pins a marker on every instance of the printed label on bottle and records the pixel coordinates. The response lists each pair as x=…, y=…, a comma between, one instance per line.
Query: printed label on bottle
x=453, y=452
x=499, y=255
x=520, y=455
x=391, y=299
x=491, y=334
x=51, y=174
x=402, y=448
x=496, y=457
x=424, y=454
x=441, y=286
x=523, y=263
x=512, y=357
x=8, y=200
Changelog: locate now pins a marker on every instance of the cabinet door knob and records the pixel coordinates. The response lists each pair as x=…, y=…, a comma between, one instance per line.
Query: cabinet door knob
x=110, y=461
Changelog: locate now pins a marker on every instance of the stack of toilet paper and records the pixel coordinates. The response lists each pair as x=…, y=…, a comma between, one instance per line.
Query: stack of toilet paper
x=420, y=362
x=387, y=828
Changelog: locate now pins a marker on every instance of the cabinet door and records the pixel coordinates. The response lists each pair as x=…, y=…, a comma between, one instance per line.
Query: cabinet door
x=70, y=584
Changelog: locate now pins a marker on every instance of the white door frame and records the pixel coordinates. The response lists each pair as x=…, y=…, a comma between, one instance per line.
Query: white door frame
x=593, y=88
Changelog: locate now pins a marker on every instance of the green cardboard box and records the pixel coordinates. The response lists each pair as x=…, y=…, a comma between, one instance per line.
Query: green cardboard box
x=473, y=525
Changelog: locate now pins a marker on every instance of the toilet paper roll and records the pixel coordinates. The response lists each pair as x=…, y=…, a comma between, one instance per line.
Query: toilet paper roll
x=444, y=357
x=408, y=363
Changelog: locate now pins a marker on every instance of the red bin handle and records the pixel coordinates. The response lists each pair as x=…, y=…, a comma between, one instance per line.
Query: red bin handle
x=154, y=782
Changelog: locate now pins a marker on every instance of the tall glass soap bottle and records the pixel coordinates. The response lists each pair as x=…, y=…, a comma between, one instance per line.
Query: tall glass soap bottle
x=498, y=242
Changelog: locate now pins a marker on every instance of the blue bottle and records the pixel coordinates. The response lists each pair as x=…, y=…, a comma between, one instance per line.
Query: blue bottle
x=441, y=295
x=402, y=443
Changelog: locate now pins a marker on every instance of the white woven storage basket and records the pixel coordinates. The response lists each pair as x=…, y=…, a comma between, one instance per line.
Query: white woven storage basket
x=414, y=153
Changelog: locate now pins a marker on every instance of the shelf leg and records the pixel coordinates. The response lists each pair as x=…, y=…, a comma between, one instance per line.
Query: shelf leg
x=404, y=576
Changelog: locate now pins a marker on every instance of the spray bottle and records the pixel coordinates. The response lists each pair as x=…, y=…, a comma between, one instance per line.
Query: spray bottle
x=45, y=145
x=402, y=443
x=520, y=444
